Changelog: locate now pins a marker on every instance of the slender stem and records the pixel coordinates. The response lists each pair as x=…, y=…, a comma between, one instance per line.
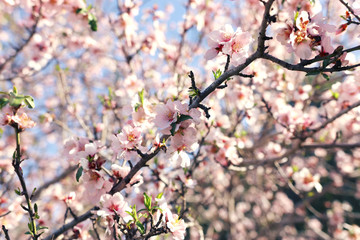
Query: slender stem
x=7, y=237
x=19, y=173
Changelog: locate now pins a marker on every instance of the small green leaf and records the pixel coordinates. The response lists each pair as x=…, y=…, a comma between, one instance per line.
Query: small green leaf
x=79, y=173
x=30, y=227
x=335, y=94
x=141, y=97
x=15, y=90
x=16, y=101
x=173, y=128
x=140, y=227
x=217, y=74
x=29, y=101
x=35, y=208
x=178, y=209
x=92, y=22
x=41, y=227
x=183, y=117
x=18, y=192
x=159, y=195
x=327, y=77
x=296, y=16
x=3, y=102
x=147, y=201
x=81, y=11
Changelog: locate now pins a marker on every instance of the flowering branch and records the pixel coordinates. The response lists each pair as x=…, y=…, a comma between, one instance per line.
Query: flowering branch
x=301, y=68
x=350, y=9
x=16, y=164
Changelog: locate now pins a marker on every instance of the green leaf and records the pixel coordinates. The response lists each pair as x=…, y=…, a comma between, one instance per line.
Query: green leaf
x=18, y=192
x=217, y=74
x=183, y=117
x=335, y=94
x=92, y=22
x=30, y=227
x=137, y=107
x=79, y=173
x=3, y=102
x=159, y=195
x=178, y=209
x=15, y=90
x=140, y=227
x=81, y=11
x=41, y=227
x=29, y=101
x=193, y=92
x=147, y=201
x=296, y=16
x=173, y=128
x=141, y=97
x=35, y=208
x=16, y=101
x=33, y=192
x=327, y=77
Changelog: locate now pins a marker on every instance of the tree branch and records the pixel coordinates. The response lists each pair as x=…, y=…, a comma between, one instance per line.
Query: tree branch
x=71, y=224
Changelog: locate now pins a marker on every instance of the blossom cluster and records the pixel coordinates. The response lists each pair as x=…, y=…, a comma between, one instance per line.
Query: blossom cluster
x=306, y=35
x=235, y=44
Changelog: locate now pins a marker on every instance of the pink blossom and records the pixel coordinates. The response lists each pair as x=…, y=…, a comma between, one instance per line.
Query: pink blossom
x=177, y=226
x=112, y=205
x=238, y=47
x=305, y=181
x=121, y=172
x=168, y=114
x=216, y=40
x=130, y=136
x=22, y=121
x=95, y=185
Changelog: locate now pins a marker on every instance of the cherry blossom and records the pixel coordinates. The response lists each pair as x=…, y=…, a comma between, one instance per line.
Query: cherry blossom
x=305, y=181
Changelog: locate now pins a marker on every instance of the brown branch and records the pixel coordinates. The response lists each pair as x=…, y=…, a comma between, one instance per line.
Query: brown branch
x=301, y=68
x=334, y=54
x=331, y=145
x=350, y=9
x=126, y=180
x=265, y=21
x=6, y=232
x=339, y=114
x=71, y=224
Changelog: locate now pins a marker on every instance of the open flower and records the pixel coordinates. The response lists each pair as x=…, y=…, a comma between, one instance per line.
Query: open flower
x=113, y=205
x=235, y=44
x=177, y=226
x=305, y=181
